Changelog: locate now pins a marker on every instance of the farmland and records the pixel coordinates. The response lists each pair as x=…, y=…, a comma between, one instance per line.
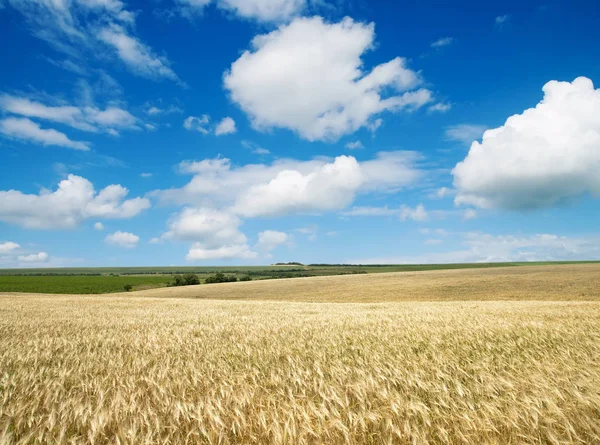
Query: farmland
x=487, y=356
x=112, y=279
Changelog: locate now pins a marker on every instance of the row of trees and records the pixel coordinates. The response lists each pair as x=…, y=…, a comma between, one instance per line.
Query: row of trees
x=192, y=279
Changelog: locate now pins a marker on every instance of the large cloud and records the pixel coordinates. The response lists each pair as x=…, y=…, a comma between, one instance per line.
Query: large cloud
x=307, y=76
x=542, y=157
x=74, y=201
x=215, y=234
x=291, y=186
x=330, y=187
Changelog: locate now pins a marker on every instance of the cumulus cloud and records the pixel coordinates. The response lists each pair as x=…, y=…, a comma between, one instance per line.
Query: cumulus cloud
x=199, y=124
x=123, y=239
x=98, y=226
x=8, y=247
x=215, y=234
x=354, y=145
x=202, y=125
x=74, y=201
x=331, y=187
x=85, y=28
x=419, y=213
x=290, y=186
x=546, y=155
x=271, y=239
x=226, y=126
x=260, y=10
x=441, y=193
x=199, y=252
x=26, y=130
x=85, y=118
x=40, y=257
x=465, y=133
x=307, y=77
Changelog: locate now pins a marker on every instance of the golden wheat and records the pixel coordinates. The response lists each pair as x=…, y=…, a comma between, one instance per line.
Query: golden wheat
x=144, y=370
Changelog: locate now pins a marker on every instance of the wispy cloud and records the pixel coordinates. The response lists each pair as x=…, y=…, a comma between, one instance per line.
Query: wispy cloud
x=26, y=130
x=465, y=133
x=444, y=41
x=501, y=20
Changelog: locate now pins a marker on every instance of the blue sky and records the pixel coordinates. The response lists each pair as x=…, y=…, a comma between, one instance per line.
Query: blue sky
x=174, y=132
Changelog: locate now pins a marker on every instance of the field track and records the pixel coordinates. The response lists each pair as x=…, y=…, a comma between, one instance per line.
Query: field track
x=554, y=282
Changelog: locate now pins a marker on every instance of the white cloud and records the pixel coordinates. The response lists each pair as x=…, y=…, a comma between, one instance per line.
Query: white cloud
x=444, y=41
x=308, y=77
x=260, y=10
x=146, y=175
x=433, y=242
x=441, y=193
x=438, y=232
x=482, y=248
x=290, y=186
x=264, y=10
x=546, y=155
x=202, y=125
x=123, y=239
x=215, y=234
x=86, y=118
x=40, y=257
x=98, y=226
x=310, y=231
x=470, y=214
x=138, y=57
x=501, y=20
x=419, y=213
x=465, y=133
x=331, y=187
x=199, y=252
x=82, y=28
x=157, y=111
x=226, y=126
x=8, y=247
x=255, y=148
x=370, y=211
x=26, y=130
x=440, y=107
x=199, y=124
x=208, y=226
x=74, y=201
x=354, y=145
x=271, y=239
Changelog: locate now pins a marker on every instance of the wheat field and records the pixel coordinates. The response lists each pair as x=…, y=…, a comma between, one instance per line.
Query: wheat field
x=140, y=369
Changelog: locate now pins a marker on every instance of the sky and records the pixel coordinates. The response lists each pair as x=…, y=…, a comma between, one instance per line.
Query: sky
x=226, y=132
